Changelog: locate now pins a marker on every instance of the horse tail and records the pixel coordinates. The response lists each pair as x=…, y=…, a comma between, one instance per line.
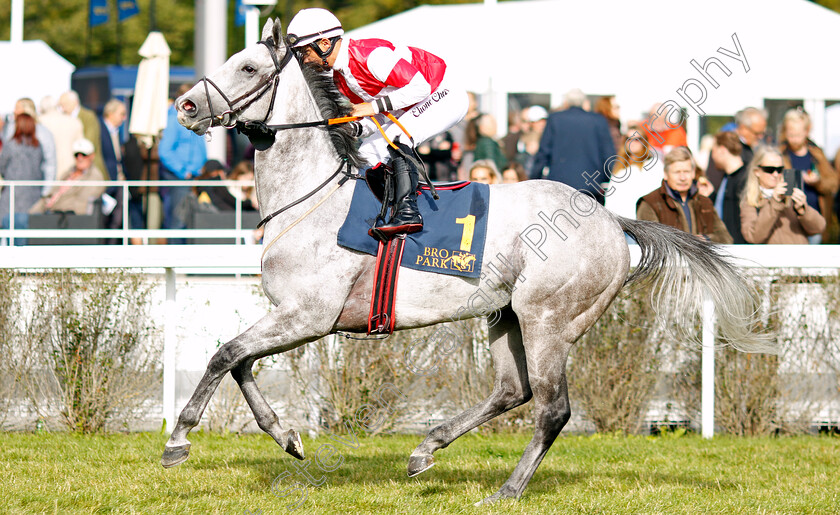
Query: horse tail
x=683, y=271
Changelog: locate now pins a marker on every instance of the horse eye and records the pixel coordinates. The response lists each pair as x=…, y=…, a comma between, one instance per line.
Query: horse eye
x=248, y=69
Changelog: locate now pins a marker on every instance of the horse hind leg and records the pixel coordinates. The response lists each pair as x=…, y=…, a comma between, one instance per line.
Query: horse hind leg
x=510, y=389
x=265, y=416
x=547, y=377
x=547, y=341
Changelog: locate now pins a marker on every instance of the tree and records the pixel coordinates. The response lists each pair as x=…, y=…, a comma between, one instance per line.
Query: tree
x=834, y=5
x=63, y=24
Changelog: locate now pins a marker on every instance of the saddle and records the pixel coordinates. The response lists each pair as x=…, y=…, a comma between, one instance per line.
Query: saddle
x=375, y=179
x=451, y=242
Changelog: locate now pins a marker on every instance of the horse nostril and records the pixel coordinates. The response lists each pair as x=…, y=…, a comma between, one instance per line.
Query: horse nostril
x=188, y=106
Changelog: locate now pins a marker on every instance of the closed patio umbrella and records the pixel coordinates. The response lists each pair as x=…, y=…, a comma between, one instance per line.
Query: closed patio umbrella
x=151, y=92
x=149, y=108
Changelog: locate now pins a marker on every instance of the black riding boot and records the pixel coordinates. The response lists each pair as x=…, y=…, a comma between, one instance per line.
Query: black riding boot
x=405, y=218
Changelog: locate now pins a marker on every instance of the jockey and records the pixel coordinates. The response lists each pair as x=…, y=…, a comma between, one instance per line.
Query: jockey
x=379, y=77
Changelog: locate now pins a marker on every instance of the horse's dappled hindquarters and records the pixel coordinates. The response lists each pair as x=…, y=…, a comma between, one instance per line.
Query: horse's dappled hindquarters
x=567, y=260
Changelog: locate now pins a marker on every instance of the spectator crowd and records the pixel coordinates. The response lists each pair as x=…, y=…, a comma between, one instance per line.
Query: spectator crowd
x=65, y=141
x=749, y=183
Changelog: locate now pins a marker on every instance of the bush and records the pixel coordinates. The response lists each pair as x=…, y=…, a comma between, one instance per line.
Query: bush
x=91, y=357
x=613, y=368
x=758, y=394
x=9, y=338
x=336, y=377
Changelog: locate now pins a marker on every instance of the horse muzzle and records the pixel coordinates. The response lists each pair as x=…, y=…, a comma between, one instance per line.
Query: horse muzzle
x=189, y=108
x=199, y=126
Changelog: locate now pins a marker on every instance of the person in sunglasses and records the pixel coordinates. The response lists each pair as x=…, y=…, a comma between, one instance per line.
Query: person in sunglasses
x=380, y=77
x=73, y=195
x=767, y=214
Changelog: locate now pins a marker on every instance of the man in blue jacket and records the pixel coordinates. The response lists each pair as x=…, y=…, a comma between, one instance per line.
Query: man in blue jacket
x=574, y=146
x=182, y=154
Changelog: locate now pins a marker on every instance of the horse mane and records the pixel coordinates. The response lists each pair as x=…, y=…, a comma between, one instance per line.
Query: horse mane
x=332, y=104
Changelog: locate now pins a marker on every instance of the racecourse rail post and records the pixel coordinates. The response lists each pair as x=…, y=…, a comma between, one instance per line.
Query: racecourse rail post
x=169, y=342
x=12, y=214
x=707, y=397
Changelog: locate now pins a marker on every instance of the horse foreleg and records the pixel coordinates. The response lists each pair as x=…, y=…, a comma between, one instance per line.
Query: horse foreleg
x=264, y=338
x=547, y=376
x=510, y=389
x=266, y=417
x=177, y=449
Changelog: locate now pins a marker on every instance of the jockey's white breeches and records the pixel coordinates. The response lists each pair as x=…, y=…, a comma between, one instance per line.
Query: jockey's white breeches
x=437, y=113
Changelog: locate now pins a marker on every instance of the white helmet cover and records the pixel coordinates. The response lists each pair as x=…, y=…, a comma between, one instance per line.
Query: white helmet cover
x=310, y=25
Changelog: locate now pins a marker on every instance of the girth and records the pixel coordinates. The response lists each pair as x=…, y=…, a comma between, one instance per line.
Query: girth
x=385, y=275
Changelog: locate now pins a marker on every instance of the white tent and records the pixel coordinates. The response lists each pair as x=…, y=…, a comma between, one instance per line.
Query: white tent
x=639, y=51
x=31, y=69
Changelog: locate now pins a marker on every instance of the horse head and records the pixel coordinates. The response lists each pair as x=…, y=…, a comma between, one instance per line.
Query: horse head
x=243, y=89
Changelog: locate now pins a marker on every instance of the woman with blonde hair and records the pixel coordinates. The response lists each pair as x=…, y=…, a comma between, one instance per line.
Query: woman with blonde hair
x=800, y=153
x=767, y=214
x=485, y=172
x=486, y=146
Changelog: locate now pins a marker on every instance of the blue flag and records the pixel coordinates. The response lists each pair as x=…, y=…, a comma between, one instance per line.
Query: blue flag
x=98, y=12
x=127, y=9
x=241, y=9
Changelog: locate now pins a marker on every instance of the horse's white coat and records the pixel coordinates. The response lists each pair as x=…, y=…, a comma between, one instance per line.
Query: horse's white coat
x=567, y=263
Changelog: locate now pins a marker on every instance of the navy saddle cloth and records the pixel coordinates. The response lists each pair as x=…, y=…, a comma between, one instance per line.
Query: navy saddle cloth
x=454, y=228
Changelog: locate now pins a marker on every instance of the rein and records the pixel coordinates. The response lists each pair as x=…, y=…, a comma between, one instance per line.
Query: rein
x=260, y=132
x=347, y=176
x=262, y=135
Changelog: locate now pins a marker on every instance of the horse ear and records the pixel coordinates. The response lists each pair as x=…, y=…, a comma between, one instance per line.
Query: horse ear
x=268, y=29
x=278, y=33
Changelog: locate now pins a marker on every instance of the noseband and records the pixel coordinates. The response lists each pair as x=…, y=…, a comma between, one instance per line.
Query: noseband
x=270, y=82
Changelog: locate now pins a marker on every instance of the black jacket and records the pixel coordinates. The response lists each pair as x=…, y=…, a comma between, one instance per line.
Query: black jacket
x=732, y=203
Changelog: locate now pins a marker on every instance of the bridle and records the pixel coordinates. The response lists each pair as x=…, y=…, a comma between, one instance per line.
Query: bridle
x=260, y=129
x=249, y=97
x=261, y=133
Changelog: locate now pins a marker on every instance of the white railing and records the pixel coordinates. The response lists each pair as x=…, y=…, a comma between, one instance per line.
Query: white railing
x=240, y=233
x=245, y=259
x=169, y=259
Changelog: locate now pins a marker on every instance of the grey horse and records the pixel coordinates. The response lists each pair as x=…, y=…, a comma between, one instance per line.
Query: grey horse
x=565, y=260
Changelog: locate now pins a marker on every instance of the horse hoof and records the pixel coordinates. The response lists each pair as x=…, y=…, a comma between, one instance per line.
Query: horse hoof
x=498, y=496
x=294, y=445
x=418, y=463
x=173, y=456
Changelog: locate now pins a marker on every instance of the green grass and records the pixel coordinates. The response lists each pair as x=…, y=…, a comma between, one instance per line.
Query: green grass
x=60, y=473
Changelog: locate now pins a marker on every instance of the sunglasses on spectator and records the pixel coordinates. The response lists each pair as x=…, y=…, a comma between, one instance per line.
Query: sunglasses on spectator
x=78, y=154
x=771, y=169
